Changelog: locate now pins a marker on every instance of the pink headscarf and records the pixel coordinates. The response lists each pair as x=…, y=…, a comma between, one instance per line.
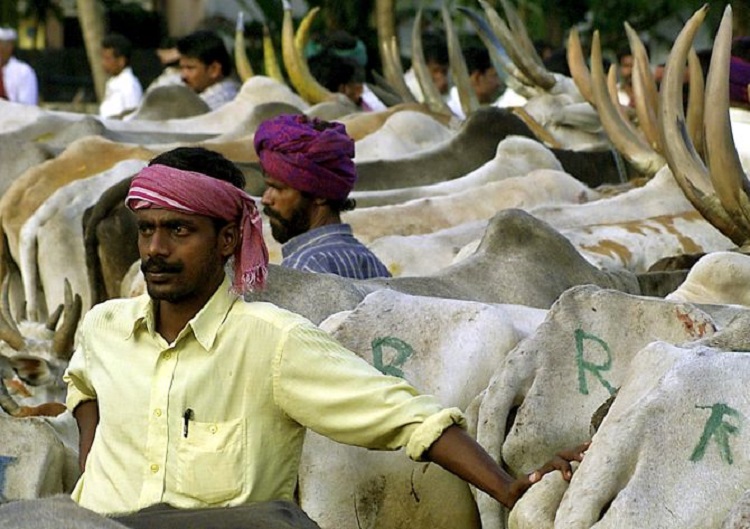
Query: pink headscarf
x=195, y=193
x=307, y=154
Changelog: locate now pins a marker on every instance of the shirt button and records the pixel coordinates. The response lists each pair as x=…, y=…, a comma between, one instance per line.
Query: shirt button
x=157, y=412
x=213, y=428
x=167, y=356
x=154, y=468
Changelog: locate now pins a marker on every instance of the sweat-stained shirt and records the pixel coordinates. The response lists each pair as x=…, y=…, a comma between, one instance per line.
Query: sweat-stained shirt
x=217, y=418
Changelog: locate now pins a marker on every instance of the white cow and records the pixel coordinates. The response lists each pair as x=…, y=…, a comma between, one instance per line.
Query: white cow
x=443, y=347
x=578, y=357
x=718, y=278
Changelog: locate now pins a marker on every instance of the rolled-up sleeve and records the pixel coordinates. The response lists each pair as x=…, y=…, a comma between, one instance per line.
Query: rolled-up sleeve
x=77, y=376
x=327, y=388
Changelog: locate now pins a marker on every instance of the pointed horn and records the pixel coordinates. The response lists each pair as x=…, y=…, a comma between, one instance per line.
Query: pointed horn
x=518, y=28
x=296, y=65
x=687, y=168
x=270, y=62
x=54, y=318
x=539, y=76
x=432, y=96
x=634, y=149
x=695, y=107
x=9, y=332
x=302, y=36
x=466, y=94
x=64, y=338
x=614, y=97
x=646, y=113
x=725, y=169
x=644, y=89
x=385, y=21
x=241, y=60
x=577, y=66
x=394, y=71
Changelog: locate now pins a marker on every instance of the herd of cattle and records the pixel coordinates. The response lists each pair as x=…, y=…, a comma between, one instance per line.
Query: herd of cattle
x=524, y=289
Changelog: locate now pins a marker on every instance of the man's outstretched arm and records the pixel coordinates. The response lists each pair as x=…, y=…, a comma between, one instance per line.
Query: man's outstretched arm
x=461, y=455
x=87, y=417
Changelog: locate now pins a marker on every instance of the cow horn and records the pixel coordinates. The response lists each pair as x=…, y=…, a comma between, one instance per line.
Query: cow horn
x=241, y=61
x=615, y=99
x=695, y=106
x=54, y=318
x=538, y=75
x=270, y=63
x=633, y=148
x=9, y=332
x=296, y=64
x=302, y=35
x=644, y=89
x=687, y=168
x=466, y=94
x=725, y=168
x=577, y=66
x=397, y=73
x=518, y=29
x=62, y=341
x=432, y=96
x=508, y=72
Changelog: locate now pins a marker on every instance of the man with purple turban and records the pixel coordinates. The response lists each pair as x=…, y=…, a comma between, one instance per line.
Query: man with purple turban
x=309, y=171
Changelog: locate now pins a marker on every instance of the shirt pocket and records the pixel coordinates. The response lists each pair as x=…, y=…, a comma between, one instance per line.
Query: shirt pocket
x=211, y=461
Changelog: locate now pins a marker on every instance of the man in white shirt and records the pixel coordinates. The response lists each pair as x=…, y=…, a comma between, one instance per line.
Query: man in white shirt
x=435, y=50
x=123, y=91
x=18, y=81
x=483, y=79
x=206, y=67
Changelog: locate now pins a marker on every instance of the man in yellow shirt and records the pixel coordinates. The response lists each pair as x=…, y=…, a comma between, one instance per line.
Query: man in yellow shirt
x=189, y=396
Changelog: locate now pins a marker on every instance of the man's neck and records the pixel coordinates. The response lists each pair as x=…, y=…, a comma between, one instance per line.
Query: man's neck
x=171, y=318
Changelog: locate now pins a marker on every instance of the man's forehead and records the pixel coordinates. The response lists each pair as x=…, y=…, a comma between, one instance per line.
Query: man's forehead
x=154, y=214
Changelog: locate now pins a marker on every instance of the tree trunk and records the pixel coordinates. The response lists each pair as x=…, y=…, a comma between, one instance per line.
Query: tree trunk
x=91, y=16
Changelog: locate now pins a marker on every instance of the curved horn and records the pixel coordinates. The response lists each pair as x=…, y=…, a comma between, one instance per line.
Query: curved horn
x=466, y=94
x=9, y=332
x=241, y=61
x=695, y=107
x=640, y=155
x=270, y=62
x=54, y=318
x=385, y=21
x=506, y=70
x=536, y=74
x=296, y=65
x=725, y=169
x=432, y=96
x=518, y=28
x=687, y=168
x=302, y=35
x=62, y=341
x=397, y=73
x=577, y=66
x=644, y=89
x=614, y=97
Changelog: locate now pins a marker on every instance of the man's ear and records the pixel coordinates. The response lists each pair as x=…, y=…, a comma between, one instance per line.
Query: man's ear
x=229, y=238
x=214, y=70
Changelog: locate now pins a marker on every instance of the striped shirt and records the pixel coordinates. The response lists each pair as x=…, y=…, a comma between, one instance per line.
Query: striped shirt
x=332, y=249
x=221, y=93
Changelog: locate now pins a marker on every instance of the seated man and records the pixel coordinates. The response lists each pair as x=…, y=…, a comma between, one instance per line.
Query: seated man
x=18, y=81
x=219, y=391
x=123, y=90
x=206, y=67
x=309, y=171
x=338, y=74
x=435, y=50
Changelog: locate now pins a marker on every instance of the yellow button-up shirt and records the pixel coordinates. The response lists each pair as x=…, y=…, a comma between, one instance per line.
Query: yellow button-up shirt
x=217, y=418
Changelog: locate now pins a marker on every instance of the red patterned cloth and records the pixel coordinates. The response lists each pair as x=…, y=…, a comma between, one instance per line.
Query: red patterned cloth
x=195, y=193
x=307, y=154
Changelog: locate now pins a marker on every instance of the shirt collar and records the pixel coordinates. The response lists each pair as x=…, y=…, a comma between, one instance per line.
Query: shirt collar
x=205, y=325
x=303, y=239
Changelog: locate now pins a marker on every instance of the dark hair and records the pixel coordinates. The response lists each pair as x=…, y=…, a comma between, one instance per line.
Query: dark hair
x=477, y=59
x=337, y=206
x=207, y=47
x=204, y=161
x=435, y=48
x=741, y=48
x=333, y=71
x=119, y=44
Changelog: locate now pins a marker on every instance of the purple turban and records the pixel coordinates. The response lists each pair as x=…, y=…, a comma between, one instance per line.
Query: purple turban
x=307, y=154
x=739, y=78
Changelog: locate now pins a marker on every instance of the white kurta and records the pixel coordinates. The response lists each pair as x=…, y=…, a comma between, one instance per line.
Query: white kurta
x=122, y=92
x=20, y=82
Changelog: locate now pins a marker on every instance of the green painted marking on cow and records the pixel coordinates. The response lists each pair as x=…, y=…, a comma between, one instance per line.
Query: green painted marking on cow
x=720, y=430
x=403, y=352
x=594, y=369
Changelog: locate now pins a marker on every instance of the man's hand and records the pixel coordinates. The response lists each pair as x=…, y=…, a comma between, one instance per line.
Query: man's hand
x=560, y=462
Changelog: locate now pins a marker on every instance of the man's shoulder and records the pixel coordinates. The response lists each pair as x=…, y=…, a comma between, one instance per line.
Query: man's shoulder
x=267, y=314
x=114, y=312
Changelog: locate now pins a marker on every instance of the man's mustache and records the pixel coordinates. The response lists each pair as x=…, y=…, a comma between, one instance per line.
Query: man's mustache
x=157, y=265
x=271, y=214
